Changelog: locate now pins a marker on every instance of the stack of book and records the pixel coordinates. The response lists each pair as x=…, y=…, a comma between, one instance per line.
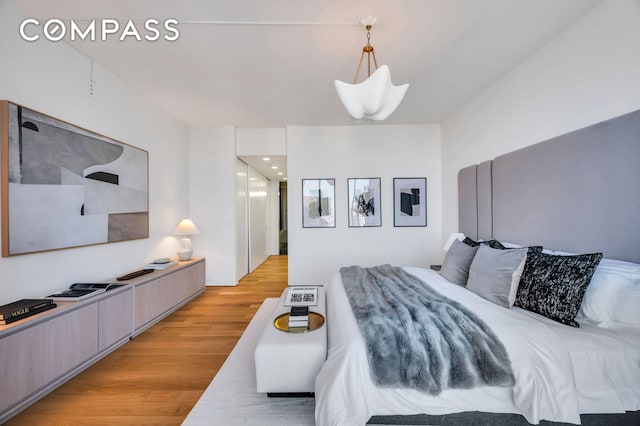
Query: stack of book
x=24, y=308
x=299, y=318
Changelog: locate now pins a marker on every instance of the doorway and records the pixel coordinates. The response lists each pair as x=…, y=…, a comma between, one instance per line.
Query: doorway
x=261, y=211
x=282, y=232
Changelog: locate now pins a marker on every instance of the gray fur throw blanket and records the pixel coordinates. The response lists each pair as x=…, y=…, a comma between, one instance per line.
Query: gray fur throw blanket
x=416, y=338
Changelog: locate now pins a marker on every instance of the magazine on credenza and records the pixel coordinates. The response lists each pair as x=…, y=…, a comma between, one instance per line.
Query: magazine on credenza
x=301, y=296
x=81, y=291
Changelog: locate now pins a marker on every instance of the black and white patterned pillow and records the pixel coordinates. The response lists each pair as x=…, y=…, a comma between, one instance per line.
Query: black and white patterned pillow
x=554, y=286
x=495, y=244
x=471, y=243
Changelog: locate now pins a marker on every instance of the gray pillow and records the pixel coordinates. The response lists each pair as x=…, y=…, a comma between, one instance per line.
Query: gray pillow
x=455, y=266
x=495, y=274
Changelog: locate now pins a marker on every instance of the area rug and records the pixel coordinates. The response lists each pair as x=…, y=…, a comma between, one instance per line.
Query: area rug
x=231, y=398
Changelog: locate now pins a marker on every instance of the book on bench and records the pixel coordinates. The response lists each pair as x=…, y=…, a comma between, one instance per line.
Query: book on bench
x=299, y=312
x=299, y=317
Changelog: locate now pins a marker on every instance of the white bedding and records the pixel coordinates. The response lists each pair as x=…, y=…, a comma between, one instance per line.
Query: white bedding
x=543, y=367
x=606, y=364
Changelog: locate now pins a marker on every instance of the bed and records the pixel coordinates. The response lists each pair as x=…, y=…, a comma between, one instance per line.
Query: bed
x=542, y=195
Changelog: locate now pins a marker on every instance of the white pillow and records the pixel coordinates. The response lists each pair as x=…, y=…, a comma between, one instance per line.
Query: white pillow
x=619, y=265
x=627, y=311
x=613, y=296
x=507, y=244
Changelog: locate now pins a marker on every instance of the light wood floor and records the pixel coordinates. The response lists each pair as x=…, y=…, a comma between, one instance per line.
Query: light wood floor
x=157, y=378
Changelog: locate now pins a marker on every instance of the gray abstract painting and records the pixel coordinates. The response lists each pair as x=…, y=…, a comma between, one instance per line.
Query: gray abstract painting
x=66, y=186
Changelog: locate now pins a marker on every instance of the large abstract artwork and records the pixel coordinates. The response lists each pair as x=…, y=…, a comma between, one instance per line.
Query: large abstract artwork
x=409, y=202
x=318, y=203
x=64, y=186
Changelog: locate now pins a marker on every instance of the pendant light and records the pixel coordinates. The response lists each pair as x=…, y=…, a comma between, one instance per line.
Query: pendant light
x=376, y=97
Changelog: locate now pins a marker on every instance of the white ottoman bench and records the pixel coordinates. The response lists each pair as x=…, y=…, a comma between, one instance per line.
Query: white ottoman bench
x=288, y=362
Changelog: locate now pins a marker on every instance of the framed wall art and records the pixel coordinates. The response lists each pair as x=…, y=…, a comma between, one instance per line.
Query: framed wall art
x=64, y=186
x=318, y=203
x=410, y=202
x=364, y=202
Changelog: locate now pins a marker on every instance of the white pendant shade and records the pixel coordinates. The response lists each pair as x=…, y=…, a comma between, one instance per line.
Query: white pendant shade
x=374, y=99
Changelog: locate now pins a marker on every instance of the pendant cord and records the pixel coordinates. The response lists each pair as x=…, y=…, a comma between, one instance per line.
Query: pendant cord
x=368, y=49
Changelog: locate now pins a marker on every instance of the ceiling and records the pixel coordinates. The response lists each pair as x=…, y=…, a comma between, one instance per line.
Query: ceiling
x=272, y=63
x=273, y=167
x=257, y=63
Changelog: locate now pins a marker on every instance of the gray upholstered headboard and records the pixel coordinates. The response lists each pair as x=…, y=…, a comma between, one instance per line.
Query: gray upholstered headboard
x=578, y=192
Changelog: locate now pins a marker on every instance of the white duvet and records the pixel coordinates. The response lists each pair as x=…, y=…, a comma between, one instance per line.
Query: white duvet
x=542, y=365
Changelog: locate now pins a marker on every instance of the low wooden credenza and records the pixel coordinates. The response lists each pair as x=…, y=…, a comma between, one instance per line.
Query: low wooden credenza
x=41, y=352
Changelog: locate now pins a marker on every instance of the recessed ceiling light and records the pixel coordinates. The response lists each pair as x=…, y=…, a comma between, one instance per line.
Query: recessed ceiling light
x=280, y=173
x=266, y=159
x=274, y=167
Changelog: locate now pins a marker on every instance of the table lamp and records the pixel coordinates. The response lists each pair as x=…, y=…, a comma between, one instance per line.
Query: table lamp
x=186, y=228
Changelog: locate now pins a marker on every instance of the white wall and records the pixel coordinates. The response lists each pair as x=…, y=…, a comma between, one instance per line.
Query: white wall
x=589, y=74
x=53, y=78
x=213, y=201
x=261, y=141
x=344, y=152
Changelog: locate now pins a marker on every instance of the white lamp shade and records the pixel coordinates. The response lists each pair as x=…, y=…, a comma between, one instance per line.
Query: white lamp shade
x=186, y=227
x=373, y=99
x=455, y=236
